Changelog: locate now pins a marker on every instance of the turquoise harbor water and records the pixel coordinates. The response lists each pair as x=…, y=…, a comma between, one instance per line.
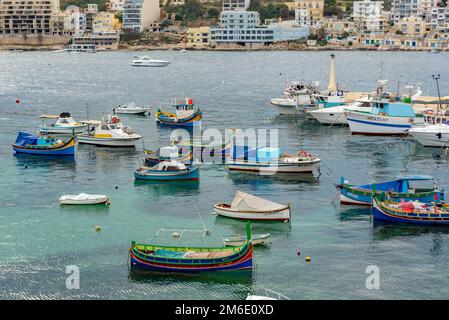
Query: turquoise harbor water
x=38, y=239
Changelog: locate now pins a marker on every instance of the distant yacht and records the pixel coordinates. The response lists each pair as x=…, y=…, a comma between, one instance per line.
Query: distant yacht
x=148, y=62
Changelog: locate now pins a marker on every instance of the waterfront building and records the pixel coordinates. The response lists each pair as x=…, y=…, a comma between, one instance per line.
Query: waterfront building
x=102, y=41
x=198, y=37
x=412, y=26
x=392, y=41
x=116, y=5
x=235, y=5
x=425, y=8
x=16, y=18
x=302, y=17
x=104, y=22
x=368, y=16
x=338, y=27
x=439, y=17
x=315, y=9
x=288, y=31
x=242, y=28
x=404, y=8
x=140, y=14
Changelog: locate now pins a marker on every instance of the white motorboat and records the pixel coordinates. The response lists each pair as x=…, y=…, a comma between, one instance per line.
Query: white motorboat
x=148, y=62
x=84, y=198
x=64, y=124
x=109, y=133
x=270, y=161
x=336, y=115
x=435, y=135
x=130, y=108
x=248, y=207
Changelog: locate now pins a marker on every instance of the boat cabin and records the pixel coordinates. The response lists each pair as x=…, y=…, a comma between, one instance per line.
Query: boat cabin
x=169, y=166
x=406, y=184
x=395, y=109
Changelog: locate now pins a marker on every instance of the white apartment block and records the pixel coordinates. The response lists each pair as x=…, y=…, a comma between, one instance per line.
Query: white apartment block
x=27, y=16
x=75, y=21
x=302, y=17
x=404, y=8
x=140, y=14
x=439, y=17
x=117, y=5
x=425, y=8
x=367, y=9
x=235, y=5
x=242, y=27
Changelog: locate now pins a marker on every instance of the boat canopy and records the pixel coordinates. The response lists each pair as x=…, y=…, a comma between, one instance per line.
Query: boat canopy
x=49, y=116
x=416, y=177
x=24, y=138
x=247, y=202
x=393, y=109
x=169, y=166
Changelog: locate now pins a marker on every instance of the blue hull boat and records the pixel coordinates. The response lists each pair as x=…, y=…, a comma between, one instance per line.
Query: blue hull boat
x=413, y=188
x=44, y=146
x=168, y=171
x=423, y=214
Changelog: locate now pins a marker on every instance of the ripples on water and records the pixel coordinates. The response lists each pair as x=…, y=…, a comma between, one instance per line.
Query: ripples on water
x=38, y=239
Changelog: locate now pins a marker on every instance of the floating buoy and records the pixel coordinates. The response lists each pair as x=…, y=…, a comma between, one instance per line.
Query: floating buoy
x=116, y=187
x=298, y=253
x=98, y=228
x=26, y=167
x=17, y=101
x=308, y=259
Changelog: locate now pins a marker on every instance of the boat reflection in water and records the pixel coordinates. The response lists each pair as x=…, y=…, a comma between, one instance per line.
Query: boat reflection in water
x=56, y=163
x=173, y=188
x=255, y=179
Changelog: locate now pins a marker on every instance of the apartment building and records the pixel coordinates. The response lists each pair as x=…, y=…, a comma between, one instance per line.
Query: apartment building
x=27, y=16
x=140, y=14
x=401, y=9
x=368, y=16
x=315, y=9
x=235, y=5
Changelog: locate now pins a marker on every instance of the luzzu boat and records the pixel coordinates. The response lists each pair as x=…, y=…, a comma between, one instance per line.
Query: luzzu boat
x=185, y=259
x=410, y=212
x=185, y=116
x=48, y=146
x=64, y=124
x=270, y=161
x=417, y=187
x=167, y=154
x=168, y=171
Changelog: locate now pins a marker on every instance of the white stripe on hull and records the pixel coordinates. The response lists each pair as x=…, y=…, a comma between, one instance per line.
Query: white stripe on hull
x=132, y=142
x=381, y=125
x=347, y=200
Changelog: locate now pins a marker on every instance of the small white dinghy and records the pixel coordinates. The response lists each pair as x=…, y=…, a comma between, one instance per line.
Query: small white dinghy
x=84, y=198
x=238, y=240
x=248, y=207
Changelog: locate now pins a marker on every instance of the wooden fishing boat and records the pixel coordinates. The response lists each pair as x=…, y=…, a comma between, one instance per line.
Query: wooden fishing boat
x=168, y=170
x=40, y=145
x=410, y=212
x=237, y=240
x=248, y=207
x=187, y=259
x=152, y=158
x=268, y=161
x=415, y=187
x=185, y=116
x=84, y=199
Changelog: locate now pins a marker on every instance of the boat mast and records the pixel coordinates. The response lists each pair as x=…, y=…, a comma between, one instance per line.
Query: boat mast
x=436, y=78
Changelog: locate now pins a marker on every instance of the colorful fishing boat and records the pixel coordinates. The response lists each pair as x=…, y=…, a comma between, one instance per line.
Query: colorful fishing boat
x=42, y=145
x=415, y=212
x=271, y=161
x=245, y=206
x=185, y=116
x=152, y=158
x=416, y=187
x=64, y=124
x=167, y=171
x=186, y=259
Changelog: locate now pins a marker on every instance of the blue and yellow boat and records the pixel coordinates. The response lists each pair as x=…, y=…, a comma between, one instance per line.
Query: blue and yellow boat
x=185, y=116
x=47, y=146
x=415, y=212
x=413, y=187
